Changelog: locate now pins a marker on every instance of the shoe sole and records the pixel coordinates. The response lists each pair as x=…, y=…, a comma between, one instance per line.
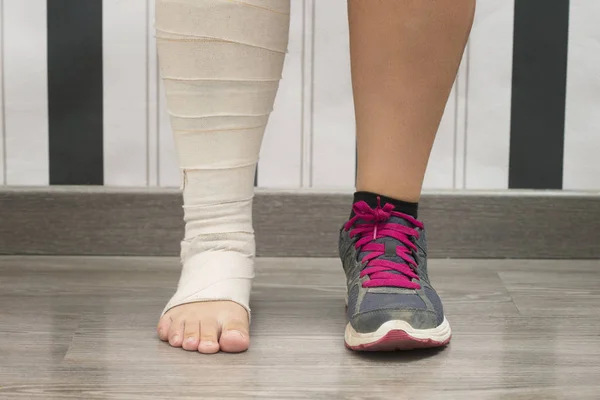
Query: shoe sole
x=398, y=335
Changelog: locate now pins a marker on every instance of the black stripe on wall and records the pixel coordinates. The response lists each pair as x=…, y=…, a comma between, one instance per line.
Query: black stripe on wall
x=75, y=92
x=538, y=94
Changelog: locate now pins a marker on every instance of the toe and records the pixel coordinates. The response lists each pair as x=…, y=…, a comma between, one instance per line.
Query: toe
x=176, y=333
x=191, y=335
x=163, y=328
x=235, y=337
x=209, y=337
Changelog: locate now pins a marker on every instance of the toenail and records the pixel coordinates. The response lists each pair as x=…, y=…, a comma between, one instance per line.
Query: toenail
x=175, y=338
x=236, y=333
x=190, y=340
x=208, y=342
x=161, y=332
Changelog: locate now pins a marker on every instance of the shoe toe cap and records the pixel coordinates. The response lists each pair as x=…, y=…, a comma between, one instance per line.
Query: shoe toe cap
x=370, y=321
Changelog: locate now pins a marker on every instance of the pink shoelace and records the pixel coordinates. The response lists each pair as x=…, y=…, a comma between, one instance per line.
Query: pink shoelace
x=376, y=225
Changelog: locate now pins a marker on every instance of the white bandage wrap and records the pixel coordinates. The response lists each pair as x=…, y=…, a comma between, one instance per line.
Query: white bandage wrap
x=221, y=61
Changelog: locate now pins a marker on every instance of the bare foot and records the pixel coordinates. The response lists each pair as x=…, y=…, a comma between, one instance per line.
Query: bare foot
x=207, y=327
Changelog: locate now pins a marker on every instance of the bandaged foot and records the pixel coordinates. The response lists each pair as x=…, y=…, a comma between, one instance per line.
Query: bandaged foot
x=221, y=62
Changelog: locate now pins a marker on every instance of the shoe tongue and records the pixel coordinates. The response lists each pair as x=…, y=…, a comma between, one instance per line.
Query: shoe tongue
x=389, y=242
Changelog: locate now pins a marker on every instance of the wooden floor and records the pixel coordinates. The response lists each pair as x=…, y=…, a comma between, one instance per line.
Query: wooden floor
x=83, y=328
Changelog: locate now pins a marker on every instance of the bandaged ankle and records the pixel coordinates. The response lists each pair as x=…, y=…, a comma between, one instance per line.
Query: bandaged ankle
x=221, y=62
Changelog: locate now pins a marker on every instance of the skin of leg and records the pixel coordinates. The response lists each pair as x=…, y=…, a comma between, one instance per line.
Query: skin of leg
x=405, y=55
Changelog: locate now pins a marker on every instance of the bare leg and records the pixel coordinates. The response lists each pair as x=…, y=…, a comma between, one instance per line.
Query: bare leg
x=405, y=55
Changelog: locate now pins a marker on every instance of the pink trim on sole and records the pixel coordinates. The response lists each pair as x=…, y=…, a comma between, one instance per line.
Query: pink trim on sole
x=398, y=340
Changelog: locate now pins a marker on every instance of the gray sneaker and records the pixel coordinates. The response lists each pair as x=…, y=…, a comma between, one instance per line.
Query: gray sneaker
x=391, y=303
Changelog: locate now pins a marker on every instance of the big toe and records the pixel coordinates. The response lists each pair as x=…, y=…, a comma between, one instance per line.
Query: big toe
x=235, y=337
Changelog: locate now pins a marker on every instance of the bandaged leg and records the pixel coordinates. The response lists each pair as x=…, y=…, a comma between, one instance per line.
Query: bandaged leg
x=221, y=62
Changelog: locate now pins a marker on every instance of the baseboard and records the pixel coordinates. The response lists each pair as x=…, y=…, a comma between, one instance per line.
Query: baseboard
x=139, y=222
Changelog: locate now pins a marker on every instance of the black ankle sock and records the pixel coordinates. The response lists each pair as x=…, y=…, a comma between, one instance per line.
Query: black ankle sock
x=399, y=205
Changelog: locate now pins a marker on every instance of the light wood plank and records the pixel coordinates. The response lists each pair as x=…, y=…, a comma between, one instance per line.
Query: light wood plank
x=556, y=294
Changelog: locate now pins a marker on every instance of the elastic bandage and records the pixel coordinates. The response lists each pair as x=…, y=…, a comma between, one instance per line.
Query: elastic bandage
x=221, y=61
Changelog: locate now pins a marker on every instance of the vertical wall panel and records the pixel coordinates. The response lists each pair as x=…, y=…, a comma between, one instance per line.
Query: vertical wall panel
x=306, y=154
x=537, y=132
x=460, y=135
x=440, y=170
x=334, y=156
x=152, y=86
x=582, y=140
x=447, y=156
x=75, y=92
x=280, y=162
x=489, y=95
x=26, y=92
x=2, y=137
x=125, y=88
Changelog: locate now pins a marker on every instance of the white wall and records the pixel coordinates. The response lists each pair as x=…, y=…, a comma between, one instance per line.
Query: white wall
x=313, y=113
